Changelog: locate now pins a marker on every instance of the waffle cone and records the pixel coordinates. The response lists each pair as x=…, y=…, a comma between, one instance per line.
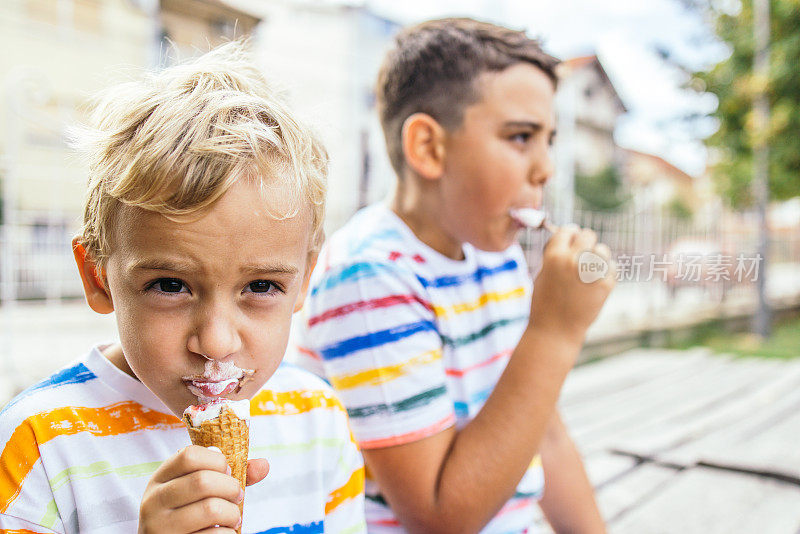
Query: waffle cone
x=232, y=436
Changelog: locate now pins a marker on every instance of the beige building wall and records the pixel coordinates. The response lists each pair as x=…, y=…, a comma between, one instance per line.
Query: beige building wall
x=56, y=52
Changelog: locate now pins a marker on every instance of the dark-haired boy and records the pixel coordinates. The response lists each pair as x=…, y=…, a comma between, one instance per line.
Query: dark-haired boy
x=420, y=312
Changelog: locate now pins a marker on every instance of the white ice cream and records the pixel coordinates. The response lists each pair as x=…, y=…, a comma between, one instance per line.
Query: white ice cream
x=198, y=414
x=532, y=218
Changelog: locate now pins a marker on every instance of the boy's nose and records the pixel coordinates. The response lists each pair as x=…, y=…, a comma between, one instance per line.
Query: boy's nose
x=542, y=169
x=215, y=335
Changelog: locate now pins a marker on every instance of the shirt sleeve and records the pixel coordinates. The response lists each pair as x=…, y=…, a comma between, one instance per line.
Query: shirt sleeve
x=375, y=334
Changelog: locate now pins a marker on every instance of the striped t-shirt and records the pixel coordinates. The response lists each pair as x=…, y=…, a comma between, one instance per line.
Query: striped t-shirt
x=79, y=448
x=415, y=342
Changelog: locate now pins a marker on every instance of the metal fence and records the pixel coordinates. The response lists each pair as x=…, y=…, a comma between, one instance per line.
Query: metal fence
x=37, y=258
x=37, y=263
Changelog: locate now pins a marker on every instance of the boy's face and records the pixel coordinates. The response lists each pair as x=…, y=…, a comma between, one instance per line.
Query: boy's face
x=499, y=158
x=222, y=286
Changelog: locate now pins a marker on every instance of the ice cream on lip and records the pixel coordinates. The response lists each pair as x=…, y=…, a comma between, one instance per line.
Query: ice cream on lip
x=218, y=378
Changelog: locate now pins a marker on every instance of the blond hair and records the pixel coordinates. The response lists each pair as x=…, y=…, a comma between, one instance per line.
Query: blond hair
x=176, y=141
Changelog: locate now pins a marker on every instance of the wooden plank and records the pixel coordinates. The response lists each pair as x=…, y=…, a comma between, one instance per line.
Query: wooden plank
x=747, y=416
x=705, y=501
x=634, y=489
x=618, y=403
x=773, y=450
x=597, y=379
x=603, y=468
x=640, y=414
x=683, y=419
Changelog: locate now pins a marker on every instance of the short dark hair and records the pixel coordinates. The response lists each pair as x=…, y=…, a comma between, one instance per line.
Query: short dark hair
x=433, y=68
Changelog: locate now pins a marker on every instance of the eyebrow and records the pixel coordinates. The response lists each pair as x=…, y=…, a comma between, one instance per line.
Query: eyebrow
x=536, y=126
x=184, y=267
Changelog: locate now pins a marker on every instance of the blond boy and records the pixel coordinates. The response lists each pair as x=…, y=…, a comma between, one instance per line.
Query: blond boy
x=201, y=227
x=420, y=311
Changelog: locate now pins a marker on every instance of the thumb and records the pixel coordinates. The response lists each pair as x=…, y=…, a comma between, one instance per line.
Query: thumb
x=257, y=470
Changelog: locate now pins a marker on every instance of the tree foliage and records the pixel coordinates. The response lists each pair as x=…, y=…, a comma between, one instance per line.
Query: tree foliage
x=602, y=191
x=735, y=86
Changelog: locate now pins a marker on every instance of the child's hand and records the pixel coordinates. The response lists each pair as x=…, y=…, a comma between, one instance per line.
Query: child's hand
x=563, y=305
x=193, y=491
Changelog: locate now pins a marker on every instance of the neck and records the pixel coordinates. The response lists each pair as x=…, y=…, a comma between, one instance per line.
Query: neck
x=417, y=202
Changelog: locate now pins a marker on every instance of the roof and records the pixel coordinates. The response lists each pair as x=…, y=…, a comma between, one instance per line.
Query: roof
x=663, y=165
x=568, y=66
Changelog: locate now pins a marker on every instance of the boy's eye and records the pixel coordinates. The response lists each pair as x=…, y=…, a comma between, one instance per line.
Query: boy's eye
x=521, y=137
x=168, y=285
x=261, y=286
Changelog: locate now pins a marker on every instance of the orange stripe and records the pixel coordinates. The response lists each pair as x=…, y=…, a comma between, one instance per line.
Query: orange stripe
x=22, y=450
x=411, y=436
x=308, y=352
x=351, y=489
x=19, y=531
x=270, y=402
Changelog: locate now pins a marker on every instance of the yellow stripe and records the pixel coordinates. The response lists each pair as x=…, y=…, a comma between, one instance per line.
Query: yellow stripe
x=269, y=402
x=381, y=375
x=352, y=488
x=22, y=450
x=536, y=462
x=484, y=299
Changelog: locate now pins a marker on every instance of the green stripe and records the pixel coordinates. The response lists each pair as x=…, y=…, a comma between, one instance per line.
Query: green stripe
x=485, y=331
x=50, y=516
x=406, y=404
x=361, y=526
x=99, y=469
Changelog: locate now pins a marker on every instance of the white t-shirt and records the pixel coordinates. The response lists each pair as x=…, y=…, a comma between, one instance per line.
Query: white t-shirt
x=79, y=448
x=415, y=342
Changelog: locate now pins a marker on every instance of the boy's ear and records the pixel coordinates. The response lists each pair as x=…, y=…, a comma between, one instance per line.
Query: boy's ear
x=301, y=297
x=423, y=145
x=97, y=296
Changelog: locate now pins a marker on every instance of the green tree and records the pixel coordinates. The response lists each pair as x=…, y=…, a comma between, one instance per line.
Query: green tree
x=735, y=86
x=602, y=191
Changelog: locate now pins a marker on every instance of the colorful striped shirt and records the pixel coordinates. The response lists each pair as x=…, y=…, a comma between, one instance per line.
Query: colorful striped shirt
x=79, y=448
x=415, y=342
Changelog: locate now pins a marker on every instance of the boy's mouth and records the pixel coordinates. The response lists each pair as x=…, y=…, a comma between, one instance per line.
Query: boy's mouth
x=210, y=389
x=218, y=379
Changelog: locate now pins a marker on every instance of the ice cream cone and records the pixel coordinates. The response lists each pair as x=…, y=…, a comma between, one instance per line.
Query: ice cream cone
x=231, y=434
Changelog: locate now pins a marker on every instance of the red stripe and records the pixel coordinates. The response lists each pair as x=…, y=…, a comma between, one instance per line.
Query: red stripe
x=386, y=522
x=462, y=372
x=416, y=435
x=383, y=302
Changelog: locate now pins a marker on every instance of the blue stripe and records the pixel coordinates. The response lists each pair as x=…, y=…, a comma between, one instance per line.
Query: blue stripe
x=312, y=528
x=362, y=270
x=388, y=235
x=479, y=397
x=77, y=374
x=354, y=272
x=375, y=339
x=477, y=276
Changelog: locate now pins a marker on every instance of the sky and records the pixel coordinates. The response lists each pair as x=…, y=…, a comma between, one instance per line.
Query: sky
x=624, y=34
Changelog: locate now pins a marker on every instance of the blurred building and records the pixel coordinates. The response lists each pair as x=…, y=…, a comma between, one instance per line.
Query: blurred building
x=56, y=54
x=327, y=55
x=653, y=181
x=587, y=95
